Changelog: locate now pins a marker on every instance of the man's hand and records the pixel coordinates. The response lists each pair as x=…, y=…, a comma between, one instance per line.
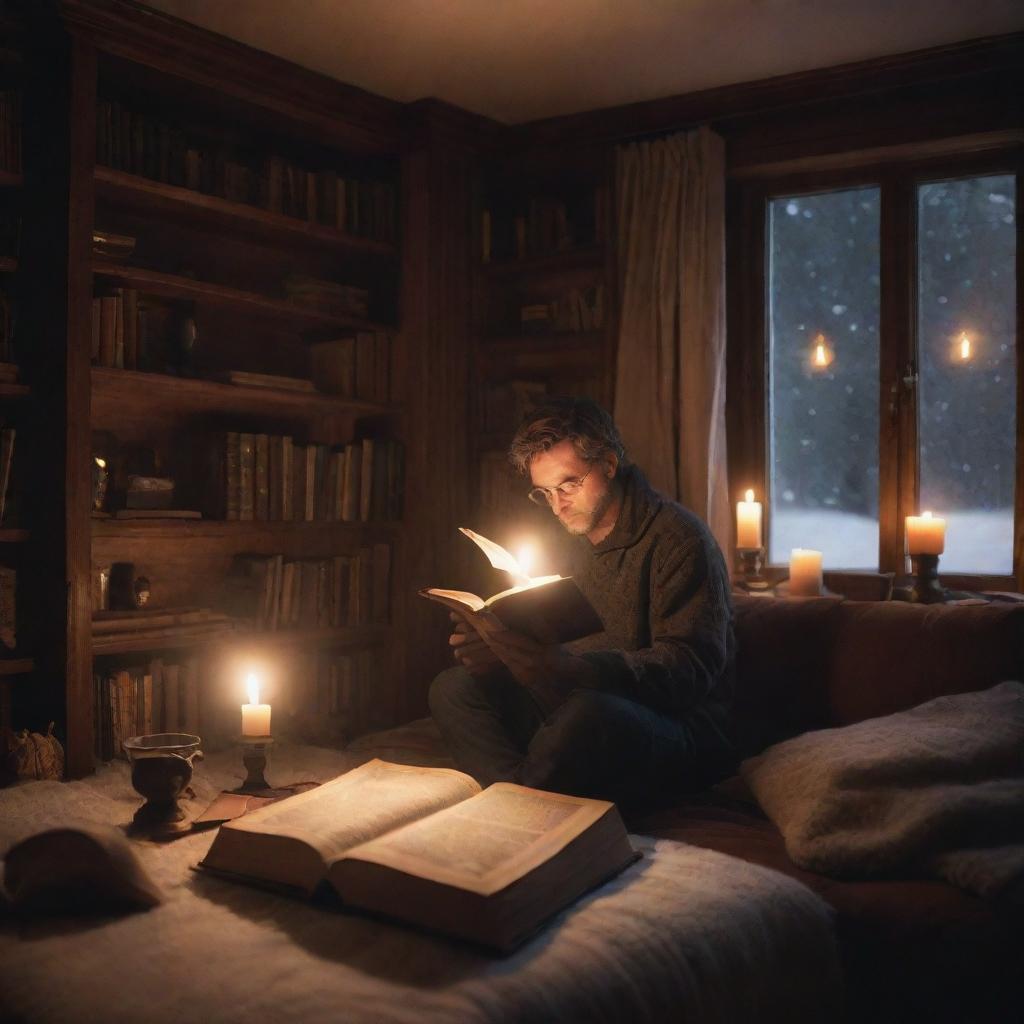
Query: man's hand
x=469, y=650
x=548, y=671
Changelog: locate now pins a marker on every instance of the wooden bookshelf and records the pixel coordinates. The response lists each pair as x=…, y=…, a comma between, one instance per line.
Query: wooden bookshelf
x=197, y=208
x=243, y=535
x=16, y=666
x=130, y=388
x=583, y=258
x=350, y=638
x=174, y=286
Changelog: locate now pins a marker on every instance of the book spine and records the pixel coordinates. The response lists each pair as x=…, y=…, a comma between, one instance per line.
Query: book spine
x=246, y=476
x=261, y=478
x=232, y=475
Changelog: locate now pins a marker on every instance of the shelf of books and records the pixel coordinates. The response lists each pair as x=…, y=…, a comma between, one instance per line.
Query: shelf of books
x=545, y=308
x=163, y=198
x=246, y=446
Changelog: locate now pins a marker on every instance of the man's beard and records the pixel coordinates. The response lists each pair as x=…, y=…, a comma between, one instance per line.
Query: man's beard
x=594, y=516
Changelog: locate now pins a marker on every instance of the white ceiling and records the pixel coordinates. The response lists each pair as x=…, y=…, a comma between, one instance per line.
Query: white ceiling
x=518, y=60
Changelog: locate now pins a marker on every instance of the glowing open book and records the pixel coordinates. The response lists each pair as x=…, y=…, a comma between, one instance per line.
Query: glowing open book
x=551, y=609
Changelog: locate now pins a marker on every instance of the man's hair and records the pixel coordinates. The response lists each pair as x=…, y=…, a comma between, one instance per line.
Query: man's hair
x=564, y=418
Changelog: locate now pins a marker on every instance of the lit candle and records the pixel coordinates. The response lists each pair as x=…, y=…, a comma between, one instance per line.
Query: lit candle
x=748, y=522
x=926, y=535
x=821, y=355
x=805, y=572
x=965, y=347
x=255, y=716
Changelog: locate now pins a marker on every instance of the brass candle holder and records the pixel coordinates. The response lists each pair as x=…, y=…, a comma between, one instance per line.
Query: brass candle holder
x=750, y=569
x=254, y=757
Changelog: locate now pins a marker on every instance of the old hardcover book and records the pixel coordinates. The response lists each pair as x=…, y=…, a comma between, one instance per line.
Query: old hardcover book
x=427, y=846
x=261, y=478
x=246, y=476
x=551, y=609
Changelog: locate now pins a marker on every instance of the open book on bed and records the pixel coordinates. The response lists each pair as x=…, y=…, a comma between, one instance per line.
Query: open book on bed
x=551, y=609
x=427, y=846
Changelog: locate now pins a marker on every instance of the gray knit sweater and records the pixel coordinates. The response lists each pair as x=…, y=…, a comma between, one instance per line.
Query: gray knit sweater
x=660, y=585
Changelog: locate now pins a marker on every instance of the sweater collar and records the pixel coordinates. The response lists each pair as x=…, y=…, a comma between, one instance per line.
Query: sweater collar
x=640, y=504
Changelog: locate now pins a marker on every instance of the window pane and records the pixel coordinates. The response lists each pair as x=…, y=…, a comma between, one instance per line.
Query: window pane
x=823, y=403
x=966, y=290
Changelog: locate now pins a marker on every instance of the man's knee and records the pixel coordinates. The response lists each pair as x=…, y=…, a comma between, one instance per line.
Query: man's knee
x=452, y=687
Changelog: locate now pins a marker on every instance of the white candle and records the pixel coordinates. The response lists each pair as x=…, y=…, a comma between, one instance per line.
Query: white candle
x=805, y=572
x=748, y=522
x=255, y=716
x=926, y=535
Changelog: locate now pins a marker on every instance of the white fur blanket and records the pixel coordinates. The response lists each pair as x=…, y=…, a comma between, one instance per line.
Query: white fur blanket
x=684, y=934
x=938, y=790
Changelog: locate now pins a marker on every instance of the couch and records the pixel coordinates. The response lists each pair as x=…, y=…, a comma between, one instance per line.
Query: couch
x=912, y=948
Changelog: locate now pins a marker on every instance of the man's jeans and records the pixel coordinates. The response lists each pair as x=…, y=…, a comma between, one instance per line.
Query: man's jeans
x=594, y=744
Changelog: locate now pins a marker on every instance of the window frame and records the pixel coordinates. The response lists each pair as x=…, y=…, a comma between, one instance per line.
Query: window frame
x=747, y=284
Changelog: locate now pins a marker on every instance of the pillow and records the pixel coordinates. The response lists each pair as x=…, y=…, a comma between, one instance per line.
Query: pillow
x=937, y=789
x=80, y=870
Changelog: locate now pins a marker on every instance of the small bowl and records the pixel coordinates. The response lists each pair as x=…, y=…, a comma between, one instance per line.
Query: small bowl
x=183, y=744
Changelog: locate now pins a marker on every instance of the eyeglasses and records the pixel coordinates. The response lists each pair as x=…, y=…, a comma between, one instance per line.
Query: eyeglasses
x=546, y=495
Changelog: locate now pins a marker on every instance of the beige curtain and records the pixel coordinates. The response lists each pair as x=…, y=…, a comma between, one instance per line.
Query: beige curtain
x=670, y=377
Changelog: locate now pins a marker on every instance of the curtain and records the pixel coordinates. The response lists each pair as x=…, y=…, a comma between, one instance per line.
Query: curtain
x=670, y=372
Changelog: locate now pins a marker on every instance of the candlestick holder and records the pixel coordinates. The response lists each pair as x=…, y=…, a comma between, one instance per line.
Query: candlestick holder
x=254, y=757
x=925, y=588
x=750, y=563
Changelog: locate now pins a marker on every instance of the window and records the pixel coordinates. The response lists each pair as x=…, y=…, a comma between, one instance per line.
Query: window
x=823, y=377
x=966, y=330
x=885, y=308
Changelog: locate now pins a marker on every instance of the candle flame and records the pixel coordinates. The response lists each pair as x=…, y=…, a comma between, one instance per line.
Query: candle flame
x=102, y=463
x=252, y=685
x=821, y=355
x=748, y=495
x=965, y=346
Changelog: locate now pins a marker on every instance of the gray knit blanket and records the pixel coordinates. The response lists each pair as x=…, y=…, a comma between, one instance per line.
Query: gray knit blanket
x=684, y=934
x=937, y=791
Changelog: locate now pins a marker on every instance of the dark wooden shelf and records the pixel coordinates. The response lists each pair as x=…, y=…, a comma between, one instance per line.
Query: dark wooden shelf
x=350, y=637
x=14, y=390
x=10, y=178
x=12, y=535
x=540, y=353
x=16, y=666
x=589, y=257
x=243, y=532
x=8, y=264
x=185, y=204
x=155, y=282
x=134, y=388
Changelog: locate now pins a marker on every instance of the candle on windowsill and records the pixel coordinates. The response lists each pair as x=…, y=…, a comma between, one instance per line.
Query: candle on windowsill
x=748, y=522
x=805, y=573
x=926, y=534
x=255, y=716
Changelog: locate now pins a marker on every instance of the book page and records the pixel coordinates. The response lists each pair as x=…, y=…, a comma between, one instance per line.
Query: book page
x=360, y=805
x=457, y=599
x=486, y=843
x=498, y=556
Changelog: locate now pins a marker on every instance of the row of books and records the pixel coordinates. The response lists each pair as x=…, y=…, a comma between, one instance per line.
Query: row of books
x=270, y=477
x=579, y=309
x=116, y=329
x=143, y=144
x=273, y=593
x=542, y=225
x=7, y=435
x=356, y=365
x=144, y=700
x=10, y=131
x=328, y=693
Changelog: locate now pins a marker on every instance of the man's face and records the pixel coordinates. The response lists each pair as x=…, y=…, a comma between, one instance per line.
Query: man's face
x=579, y=513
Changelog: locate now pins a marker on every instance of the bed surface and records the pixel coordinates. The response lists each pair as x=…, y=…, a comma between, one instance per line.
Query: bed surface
x=684, y=934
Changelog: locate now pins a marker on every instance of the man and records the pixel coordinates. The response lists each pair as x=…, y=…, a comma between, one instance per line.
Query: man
x=641, y=708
